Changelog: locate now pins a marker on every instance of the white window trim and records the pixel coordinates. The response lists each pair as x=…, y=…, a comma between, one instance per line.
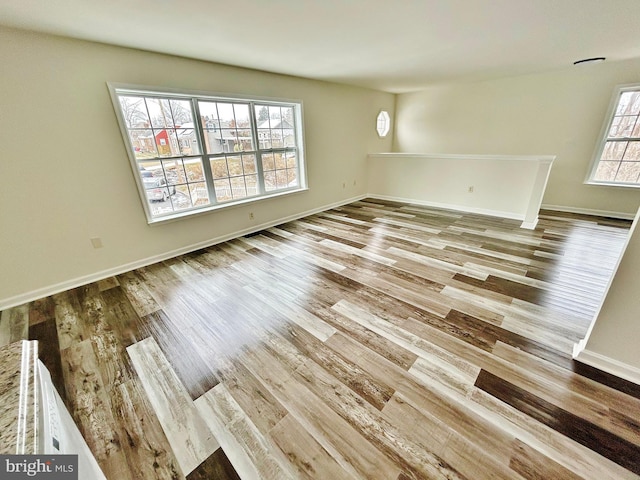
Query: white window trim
x=114, y=88
x=602, y=138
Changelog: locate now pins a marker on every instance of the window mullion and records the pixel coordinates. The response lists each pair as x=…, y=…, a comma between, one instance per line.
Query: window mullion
x=258, y=154
x=206, y=164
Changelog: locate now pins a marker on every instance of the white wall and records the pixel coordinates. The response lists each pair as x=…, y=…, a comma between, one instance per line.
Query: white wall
x=463, y=182
x=65, y=173
x=558, y=113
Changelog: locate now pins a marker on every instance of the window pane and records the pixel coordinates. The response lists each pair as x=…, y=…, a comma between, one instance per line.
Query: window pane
x=157, y=191
x=143, y=144
x=270, y=181
x=288, y=138
x=228, y=140
x=181, y=113
x=219, y=168
x=211, y=124
x=214, y=141
x=244, y=136
x=169, y=184
x=199, y=193
x=264, y=137
x=159, y=112
x=134, y=112
x=281, y=178
x=188, y=141
x=174, y=171
x=277, y=140
x=249, y=163
x=226, y=115
x=292, y=178
x=242, y=144
x=166, y=142
x=268, y=162
x=628, y=172
x=291, y=159
x=275, y=116
x=262, y=114
x=622, y=127
x=613, y=150
x=193, y=167
x=633, y=152
x=606, y=171
x=150, y=169
x=234, y=164
x=223, y=190
x=209, y=114
x=241, y=115
x=281, y=162
x=238, y=188
x=182, y=198
x=252, y=184
x=629, y=104
x=287, y=117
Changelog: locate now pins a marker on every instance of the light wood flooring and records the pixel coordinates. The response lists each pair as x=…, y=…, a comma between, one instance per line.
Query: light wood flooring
x=377, y=340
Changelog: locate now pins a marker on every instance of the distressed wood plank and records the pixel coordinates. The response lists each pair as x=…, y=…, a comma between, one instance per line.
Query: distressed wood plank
x=14, y=325
x=191, y=440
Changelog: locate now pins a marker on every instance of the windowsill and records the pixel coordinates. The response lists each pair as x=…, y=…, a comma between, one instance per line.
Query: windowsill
x=611, y=184
x=200, y=211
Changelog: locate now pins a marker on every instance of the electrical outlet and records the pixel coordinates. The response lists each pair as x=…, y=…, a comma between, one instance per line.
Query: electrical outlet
x=96, y=242
x=251, y=217
x=344, y=184
x=471, y=189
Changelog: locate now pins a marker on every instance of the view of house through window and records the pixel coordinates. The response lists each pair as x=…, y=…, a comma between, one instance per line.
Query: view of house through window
x=618, y=156
x=194, y=152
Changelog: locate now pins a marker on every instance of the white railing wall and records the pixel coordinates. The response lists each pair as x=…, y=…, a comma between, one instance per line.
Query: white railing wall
x=508, y=186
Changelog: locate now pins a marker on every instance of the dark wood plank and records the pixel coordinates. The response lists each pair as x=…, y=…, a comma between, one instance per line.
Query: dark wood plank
x=217, y=466
x=475, y=330
x=146, y=447
x=41, y=310
x=592, y=436
x=506, y=287
x=617, y=383
x=46, y=333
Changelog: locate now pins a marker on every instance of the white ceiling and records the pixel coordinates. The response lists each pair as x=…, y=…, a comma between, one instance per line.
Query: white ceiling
x=392, y=45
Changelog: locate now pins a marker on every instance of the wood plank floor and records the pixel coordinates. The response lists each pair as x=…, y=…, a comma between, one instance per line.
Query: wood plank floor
x=377, y=340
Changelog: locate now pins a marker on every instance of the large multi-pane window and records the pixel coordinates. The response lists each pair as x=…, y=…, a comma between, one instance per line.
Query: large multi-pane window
x=195, y=152
x=617, y=159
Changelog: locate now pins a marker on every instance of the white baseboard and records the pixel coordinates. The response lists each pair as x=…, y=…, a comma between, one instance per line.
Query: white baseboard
x=94, y=277
x=589, y=211
x=448, y=206
x=530, y=225
x=606, y=364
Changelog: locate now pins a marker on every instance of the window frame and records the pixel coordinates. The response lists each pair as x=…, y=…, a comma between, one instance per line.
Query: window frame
x=604, y=137
x=194, y=97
